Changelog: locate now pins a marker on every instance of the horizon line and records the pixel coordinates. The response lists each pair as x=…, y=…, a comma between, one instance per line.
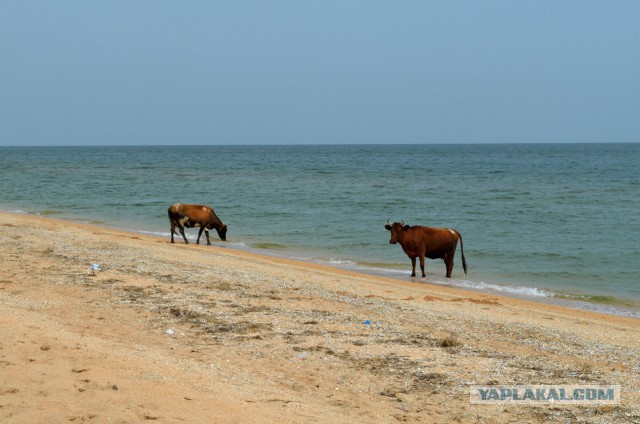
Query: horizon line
x=324, y=144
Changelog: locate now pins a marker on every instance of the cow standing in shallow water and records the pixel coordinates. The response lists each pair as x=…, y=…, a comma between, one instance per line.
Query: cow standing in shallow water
x=421, y=242
x=195, y=216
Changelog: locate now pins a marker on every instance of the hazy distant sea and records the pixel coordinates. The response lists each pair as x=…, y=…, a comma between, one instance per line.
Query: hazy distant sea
x=557, y=222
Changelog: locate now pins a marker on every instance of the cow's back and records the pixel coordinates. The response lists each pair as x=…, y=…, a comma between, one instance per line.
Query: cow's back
x=200, y=214
x=436, y=242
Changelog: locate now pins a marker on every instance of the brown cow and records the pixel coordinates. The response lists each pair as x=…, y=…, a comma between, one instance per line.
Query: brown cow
x=418, y=242
x=195, y=216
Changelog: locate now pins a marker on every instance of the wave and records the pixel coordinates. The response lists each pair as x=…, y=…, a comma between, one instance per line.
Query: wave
x=593, y=302
x=36, y=213
x=192, y=238
x=598, y=303
x=340, y=262
x=155, y=233
x=596, y=298
x=48, y=213
x=268, y=246
x=509, y=289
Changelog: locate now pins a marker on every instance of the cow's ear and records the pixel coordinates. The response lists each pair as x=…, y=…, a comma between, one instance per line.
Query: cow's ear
x=406, y=227
x=388, y=227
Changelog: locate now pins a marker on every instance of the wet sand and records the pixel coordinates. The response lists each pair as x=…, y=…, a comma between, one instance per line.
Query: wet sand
x=191, y=333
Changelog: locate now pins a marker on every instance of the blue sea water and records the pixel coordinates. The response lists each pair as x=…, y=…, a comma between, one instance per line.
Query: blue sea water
x=552, y=221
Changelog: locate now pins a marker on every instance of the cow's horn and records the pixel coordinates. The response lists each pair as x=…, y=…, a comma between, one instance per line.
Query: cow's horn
x=389, y=222
x=402, y=222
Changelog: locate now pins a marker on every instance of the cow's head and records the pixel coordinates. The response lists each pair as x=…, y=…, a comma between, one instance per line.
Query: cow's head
x=222, y=232
x=396, y=229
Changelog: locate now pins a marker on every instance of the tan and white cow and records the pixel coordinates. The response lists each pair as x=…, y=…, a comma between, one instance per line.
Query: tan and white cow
x=181, y=215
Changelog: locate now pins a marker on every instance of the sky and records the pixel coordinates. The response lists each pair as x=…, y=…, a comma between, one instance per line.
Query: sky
x=318, y=72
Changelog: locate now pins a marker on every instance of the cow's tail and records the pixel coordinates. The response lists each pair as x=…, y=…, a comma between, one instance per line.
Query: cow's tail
x=464, y=262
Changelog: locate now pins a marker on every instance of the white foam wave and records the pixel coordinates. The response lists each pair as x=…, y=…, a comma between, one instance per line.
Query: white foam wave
x=526, y=291
x=155, y=233
x=340, y=262
x=235, y=244
x=167, y=234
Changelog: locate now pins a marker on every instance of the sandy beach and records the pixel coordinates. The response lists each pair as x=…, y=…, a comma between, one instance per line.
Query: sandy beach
x=194, y=333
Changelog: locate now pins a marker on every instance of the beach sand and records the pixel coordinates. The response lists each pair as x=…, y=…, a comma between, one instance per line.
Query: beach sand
x=193, y=333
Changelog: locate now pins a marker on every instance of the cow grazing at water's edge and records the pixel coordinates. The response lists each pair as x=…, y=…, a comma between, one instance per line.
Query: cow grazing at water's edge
x=421, y=242
x=181, y=216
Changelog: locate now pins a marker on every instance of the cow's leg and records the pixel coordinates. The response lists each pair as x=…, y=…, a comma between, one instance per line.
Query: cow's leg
x=199, y=234
x=181, y=228
x=422, y=266
x=413, y=266
x=173, y=229
x=206, y=233
x=448, y=260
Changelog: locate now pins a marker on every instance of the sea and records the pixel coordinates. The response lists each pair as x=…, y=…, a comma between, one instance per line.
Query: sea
x=555, y=223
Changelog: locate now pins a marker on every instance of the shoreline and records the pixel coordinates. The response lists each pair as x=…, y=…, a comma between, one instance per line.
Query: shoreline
x=196, y=333
x=611, y=305
x=258, y=254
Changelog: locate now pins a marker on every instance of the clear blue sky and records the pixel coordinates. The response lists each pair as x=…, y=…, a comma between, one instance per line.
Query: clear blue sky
x=303, y=72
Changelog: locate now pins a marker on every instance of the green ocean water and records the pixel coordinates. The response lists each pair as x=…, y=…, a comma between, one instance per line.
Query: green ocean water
x=555, y=222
